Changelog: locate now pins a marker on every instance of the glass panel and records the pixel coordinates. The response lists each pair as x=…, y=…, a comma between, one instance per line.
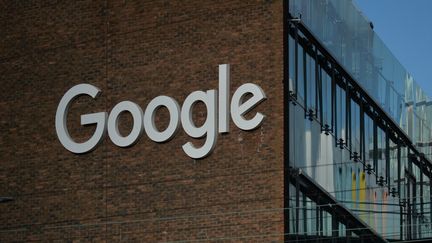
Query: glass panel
x=326, y=92
x=347, y=34
x=291, y=46
x=355, y=127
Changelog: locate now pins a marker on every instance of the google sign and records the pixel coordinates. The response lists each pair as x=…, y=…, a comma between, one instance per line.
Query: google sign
x=219, y=111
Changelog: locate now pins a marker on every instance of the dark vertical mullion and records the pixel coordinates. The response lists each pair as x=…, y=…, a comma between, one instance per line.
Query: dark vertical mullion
x=413, y=209
x=305, y=87
x=409, y=160
x=375, y=146
x=401, y=220
x=317, y=221
x=399, y=189
x=333, y=100
x=350, y=121
x=296, y=59
x=347, y=116
x=399, y=169
x=387, y=154
x=430, y=197
x=408, y=208
x=334, y=96
x=321, y=219
x=317, y=88
x=362, y=133
x=297, y=185
x=421, y=198
x=304, y=208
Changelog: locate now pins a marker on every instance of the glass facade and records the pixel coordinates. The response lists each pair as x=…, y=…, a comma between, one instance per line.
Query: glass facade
x=359, y=127
x=347, y=34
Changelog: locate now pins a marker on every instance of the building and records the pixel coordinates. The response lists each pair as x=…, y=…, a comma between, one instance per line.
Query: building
x=328, y=141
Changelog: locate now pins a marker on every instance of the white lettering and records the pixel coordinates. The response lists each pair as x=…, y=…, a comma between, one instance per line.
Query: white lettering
x=95, y=118
x=137, y=128
x=239, y=107
x=209, y=127
x=217, y=120
x=149, y=117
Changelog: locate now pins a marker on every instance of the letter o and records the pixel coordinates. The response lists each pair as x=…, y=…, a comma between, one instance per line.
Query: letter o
x=137, y=128
x=149, y=117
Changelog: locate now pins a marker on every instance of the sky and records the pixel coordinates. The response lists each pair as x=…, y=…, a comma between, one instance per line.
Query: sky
x=405, y=26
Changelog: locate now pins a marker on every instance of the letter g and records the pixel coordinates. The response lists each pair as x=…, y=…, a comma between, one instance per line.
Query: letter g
x=86, y=119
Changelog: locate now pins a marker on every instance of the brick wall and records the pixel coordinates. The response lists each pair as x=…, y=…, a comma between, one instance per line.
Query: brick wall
x=137, y=50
